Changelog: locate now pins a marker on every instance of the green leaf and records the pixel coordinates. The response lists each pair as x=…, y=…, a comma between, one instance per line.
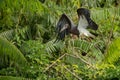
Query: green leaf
x=11, y=78
x=9, y=54
x=113, y=52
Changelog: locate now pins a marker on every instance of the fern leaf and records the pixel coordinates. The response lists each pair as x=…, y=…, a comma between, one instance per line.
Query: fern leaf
x=82, y=45
x=7, y=34
x=51, y=46
x=10, y=54
x=11, y=78
x=93, y=53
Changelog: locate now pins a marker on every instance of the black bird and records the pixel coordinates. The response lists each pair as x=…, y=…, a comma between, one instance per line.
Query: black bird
x=65, y=26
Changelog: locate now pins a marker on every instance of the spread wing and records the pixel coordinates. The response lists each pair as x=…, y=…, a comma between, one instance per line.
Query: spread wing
x=92, y=24
x=86, y=13
x=63, y=27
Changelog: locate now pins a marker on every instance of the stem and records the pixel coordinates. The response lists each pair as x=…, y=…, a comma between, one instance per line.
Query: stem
x=82, y=60
x=110, y=35
x=54, y=63
x=73, y=73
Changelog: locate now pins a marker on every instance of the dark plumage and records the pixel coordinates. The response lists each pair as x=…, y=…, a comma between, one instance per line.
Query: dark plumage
x=65, y=26
x=86, y=13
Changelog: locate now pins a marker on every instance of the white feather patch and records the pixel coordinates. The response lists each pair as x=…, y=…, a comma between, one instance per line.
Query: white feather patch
x=82, y=25
x=64, y=27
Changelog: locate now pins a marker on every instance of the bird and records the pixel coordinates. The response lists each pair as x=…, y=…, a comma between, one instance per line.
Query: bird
x=65, y=25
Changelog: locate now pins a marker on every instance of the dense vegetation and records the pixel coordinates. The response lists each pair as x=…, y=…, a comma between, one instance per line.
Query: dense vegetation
x=28, y=51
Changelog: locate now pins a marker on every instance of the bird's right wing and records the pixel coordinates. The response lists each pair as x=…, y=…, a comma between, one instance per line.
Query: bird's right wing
x=86, y=13
x=92, y=24
x=63, y=27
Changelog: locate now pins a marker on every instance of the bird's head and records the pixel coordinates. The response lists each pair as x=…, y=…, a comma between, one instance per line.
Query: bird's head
x=86, y=13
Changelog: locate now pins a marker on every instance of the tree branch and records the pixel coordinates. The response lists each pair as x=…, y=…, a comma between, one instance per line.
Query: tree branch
x=73, y=73
x=54, y=63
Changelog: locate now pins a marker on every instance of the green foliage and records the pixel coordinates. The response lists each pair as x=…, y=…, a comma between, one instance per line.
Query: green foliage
x=97, y=3
x=37, y=57
x=35, y=51
x=113, y=52
x=88, y=49
x=107, y=72
x=22, y=14
x=10, y=55
x=18, y=12
x=52, y=46
x=11, y=78
x=29, y=27
x=7, y=34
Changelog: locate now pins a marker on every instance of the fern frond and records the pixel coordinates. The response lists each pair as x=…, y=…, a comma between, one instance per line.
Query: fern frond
x=93, y=53
x=11, y=78
x=82, y=45
x=52, y=46
x=7, y=34
x=105, y=13
x=9, y=54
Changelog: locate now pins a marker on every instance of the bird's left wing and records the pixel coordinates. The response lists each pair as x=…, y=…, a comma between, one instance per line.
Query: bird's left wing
x=63, y=27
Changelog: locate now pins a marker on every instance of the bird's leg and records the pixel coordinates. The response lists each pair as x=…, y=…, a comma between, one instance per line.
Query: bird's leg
x=83, y=37
x=73, y=36
x=89, y=39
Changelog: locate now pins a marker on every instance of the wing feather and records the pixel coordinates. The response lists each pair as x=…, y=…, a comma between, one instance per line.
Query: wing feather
x=92, y=24
x=86, y=13
x=63, y=27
